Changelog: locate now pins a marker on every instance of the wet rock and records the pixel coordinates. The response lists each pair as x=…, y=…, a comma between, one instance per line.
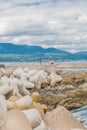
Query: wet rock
x=70, y=98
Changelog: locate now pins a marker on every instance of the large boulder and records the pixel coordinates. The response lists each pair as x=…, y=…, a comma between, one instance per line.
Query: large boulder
x=61, y=119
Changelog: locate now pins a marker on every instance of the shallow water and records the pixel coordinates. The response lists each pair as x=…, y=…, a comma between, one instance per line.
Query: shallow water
x=72, y=69
x=81, y=115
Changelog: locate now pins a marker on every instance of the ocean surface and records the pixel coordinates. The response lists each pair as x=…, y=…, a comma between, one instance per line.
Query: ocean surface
x=81, y=115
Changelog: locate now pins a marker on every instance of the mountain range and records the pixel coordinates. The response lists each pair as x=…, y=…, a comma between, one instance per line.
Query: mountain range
x=23, y=53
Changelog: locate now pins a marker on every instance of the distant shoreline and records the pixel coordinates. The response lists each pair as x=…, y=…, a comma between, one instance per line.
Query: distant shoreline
x=65, y=66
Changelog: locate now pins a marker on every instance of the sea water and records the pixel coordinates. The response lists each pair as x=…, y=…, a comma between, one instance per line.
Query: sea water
x=72, y=69
x=81, y=115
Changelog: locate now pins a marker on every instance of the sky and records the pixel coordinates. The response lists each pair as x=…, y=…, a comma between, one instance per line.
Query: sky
x=48, y=23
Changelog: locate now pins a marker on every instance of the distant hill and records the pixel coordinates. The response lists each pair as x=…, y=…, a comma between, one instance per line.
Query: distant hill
x=23, y=53
x=9, y=48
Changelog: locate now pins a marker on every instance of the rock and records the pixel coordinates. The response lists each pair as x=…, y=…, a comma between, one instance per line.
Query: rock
x=54, y=79
x=44, y=106
x=23, y=103
x=4, y=80
x=16, y=120
x=75, y=99
x=5, y=89
x=70, y=98
x=61, y=119
x=14, y=98
x=51, y=97
x=39, y=108
x=28, y=85
x=3, y=111
x=83, y=86
x=33, y=116
x=35, y=96
x=77, y=129
x=74, y=78
x=42, y=126
x=10, y=105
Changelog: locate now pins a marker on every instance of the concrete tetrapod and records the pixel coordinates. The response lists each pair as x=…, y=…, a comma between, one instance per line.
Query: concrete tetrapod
x=16, y=120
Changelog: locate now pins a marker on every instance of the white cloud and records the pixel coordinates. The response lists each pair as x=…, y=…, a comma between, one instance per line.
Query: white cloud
x=50, y=23
x=82, y=18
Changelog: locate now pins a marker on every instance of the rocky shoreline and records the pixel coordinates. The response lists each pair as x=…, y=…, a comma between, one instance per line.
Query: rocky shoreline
x=70, y=92
x=39, y=92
